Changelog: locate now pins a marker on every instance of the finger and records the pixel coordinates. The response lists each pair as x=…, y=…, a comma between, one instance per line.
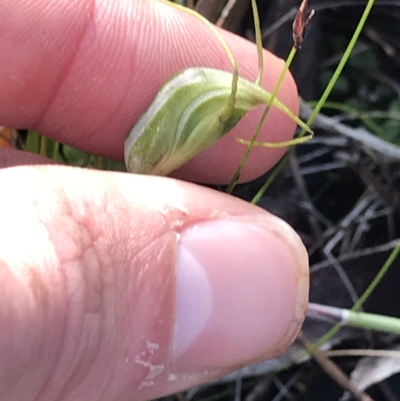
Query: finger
x=82, y=72
x=14, y=157
x=121, y=287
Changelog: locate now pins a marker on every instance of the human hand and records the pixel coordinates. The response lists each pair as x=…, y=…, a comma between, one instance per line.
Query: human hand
x=123, y=287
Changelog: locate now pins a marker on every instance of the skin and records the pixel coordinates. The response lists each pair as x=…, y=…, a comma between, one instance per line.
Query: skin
x=76, y=244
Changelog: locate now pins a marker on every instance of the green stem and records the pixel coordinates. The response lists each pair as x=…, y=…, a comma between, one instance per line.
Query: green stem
x=327, y=336
x=274, y=94
x=323, y=98
x=371, y=321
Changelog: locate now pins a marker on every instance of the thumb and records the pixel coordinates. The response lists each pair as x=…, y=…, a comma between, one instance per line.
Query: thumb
x=121, y=287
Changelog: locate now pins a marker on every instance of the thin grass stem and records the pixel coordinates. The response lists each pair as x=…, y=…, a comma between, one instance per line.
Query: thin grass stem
x=323, y=98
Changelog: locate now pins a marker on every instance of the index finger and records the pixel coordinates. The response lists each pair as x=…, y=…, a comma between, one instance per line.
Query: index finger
x=82, y=72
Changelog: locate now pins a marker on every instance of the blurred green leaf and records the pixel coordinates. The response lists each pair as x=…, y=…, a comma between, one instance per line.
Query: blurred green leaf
x=366, y=60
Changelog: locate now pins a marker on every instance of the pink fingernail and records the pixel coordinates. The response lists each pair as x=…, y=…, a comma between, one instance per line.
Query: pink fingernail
x=237, y=293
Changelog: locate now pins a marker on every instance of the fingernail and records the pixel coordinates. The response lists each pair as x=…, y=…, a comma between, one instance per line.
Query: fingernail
x=242, y=289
